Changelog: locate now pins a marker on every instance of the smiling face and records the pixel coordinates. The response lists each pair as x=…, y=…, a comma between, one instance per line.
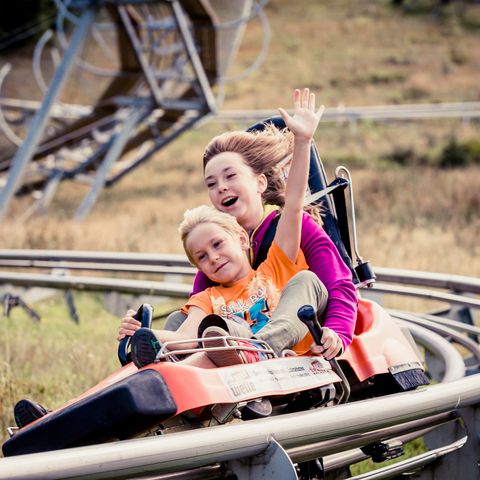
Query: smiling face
x=221, y=256
x=234, y=188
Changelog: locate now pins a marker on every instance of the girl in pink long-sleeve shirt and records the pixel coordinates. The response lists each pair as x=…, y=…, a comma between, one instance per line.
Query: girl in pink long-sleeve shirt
x=232, y=190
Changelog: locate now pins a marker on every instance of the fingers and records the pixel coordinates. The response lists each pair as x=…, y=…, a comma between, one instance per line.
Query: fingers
x=296, y=99
x=320, y=111
x=128, y=325
x=305, y=98
x=331, y=345
x=127, y=330
x=332, y=351
x=286, y=117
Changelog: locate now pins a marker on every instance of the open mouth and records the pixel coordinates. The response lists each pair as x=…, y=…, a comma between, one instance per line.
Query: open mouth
x=228, y=202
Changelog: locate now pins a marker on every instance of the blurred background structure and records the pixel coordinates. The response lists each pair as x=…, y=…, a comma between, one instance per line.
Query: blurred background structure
x=145, y=73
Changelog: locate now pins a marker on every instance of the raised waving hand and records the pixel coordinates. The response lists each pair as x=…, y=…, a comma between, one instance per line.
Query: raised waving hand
x=304, y=120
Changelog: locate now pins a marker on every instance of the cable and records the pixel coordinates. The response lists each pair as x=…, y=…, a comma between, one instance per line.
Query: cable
x=19, y=33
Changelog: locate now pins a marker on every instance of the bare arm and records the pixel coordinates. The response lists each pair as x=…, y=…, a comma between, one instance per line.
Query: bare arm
x=303, y=125
x=188, y=329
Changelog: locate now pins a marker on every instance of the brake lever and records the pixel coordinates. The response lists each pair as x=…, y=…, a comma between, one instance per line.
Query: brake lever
x=145, y=315
x=308, y=316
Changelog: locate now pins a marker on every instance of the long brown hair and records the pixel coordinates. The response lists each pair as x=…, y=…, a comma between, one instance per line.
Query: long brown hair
x=264, y=151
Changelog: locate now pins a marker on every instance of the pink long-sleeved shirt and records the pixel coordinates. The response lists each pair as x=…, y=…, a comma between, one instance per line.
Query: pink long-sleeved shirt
x=325, y=261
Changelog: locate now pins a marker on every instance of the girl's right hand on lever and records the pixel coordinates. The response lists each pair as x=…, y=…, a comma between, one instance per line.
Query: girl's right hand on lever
x=128, y=325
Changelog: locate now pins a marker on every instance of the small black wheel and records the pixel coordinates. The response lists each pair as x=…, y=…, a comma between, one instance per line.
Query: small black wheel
x=144, y=315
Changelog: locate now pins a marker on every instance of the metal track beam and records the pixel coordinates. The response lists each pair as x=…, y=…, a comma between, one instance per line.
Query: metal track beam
x=164, y=454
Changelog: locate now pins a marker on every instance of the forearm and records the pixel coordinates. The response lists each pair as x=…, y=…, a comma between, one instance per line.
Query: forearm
x=303, y=125
x=290, y=224
x=168, y=336
x=341, y=314
x=298, y=176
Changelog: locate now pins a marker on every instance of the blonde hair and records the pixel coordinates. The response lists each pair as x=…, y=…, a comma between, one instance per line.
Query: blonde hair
x=205, y=214
x=264, y=151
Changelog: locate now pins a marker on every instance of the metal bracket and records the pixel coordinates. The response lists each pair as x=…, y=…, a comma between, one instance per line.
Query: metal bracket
x=313, y=469
x=222, y=412
x=274, y=462
x=364, y=271
x=10, y=301
x=12, y=431
x=71, y=306
x=382, y=451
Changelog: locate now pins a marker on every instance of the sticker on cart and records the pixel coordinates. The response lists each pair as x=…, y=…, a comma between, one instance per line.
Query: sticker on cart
x=282, y=375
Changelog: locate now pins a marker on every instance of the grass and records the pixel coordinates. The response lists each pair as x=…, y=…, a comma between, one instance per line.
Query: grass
x=410, y=215
x=54, y=359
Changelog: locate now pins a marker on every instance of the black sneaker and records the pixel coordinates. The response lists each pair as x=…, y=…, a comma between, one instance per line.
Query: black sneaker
x=145, y=347
x=26, y=412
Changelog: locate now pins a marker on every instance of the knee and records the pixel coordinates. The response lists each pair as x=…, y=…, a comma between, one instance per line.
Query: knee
x=174, y=320
x=307, y=278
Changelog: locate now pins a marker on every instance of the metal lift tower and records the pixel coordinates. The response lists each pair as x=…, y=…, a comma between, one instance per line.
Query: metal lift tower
x=142, y=71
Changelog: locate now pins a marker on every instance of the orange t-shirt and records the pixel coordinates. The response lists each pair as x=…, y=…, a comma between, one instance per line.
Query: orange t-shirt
x=252, y=299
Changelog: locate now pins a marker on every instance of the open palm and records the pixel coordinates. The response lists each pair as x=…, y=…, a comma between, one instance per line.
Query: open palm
x=304, y=121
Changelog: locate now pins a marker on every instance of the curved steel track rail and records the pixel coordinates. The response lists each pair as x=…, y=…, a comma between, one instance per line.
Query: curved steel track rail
x=269, y=446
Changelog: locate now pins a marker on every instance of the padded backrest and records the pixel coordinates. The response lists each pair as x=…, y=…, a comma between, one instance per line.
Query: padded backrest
x=318, y=181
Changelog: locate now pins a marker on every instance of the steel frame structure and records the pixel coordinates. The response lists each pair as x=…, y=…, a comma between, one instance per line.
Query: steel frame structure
x=169, y=55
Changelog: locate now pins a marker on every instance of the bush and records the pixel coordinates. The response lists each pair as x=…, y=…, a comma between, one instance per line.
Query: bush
x=460, y=154
x=402, y=156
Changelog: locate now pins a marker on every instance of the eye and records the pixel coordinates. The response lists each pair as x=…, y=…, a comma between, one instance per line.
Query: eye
x=210, y=185
x=230, y=175
x=201, y=257
x=217, y=243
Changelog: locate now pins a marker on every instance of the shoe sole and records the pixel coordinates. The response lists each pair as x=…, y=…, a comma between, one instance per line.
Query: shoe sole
x=26, y=412
x=145, y=347
x=221, y=358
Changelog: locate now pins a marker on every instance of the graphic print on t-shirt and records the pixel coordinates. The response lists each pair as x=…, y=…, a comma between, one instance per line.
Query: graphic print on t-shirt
x=257, y=315
x=254, y=304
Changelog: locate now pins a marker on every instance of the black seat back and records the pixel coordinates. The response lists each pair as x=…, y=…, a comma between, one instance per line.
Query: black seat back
x=336, y=228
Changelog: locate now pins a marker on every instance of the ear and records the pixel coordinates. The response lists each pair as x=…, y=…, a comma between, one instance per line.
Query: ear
x=244, y=240
x=262, y=183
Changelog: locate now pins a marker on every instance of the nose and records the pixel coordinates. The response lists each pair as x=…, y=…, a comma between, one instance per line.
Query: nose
x=213, y=257
x=222, y=187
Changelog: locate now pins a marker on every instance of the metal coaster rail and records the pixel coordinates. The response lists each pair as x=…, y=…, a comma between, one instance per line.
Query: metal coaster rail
x=380, y=113
x=267, y=445
x=304, y=436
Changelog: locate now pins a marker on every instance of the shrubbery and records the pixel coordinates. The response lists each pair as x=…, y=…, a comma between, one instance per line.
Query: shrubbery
x=455, y=154
x=460, y=154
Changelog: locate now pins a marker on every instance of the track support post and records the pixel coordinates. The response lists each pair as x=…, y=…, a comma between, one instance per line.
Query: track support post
x=274, y=462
